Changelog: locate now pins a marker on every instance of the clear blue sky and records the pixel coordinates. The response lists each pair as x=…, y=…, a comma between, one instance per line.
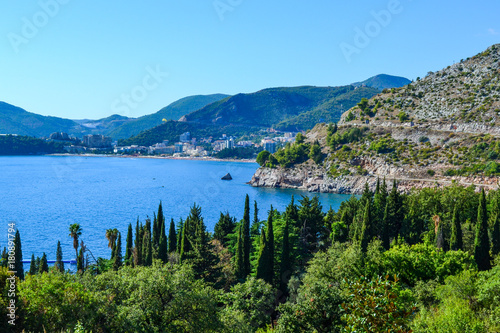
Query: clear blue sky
x=84, y=56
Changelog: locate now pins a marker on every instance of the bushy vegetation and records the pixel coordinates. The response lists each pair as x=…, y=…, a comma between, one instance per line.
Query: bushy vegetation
x=427, y=261
x=26, y=145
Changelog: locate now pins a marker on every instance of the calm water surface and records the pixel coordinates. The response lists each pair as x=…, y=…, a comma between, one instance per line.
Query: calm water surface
x=43, y=195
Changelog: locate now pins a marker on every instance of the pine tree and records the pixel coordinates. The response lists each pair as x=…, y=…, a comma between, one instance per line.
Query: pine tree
x=239, y=265
x=33, y=267
x=224, y=227
x=59, y=265
x=162, y=246
x=44, y=267
x=380, y=201
x=18, y=260
x=292, y=212
x=138, y=244
x=286, y=262
x=128, y=246
x=456, y=242
x=246, y=237
x=366, y=228
x=172, y=237
x=482, y=243
x=117, y=260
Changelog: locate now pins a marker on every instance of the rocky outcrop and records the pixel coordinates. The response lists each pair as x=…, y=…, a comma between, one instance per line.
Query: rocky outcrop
x=227, y=177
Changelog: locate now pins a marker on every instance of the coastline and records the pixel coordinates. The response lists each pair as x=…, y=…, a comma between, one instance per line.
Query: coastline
x=160, y=157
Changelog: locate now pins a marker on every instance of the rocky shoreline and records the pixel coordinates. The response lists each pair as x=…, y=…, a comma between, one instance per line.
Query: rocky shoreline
x=316, y=179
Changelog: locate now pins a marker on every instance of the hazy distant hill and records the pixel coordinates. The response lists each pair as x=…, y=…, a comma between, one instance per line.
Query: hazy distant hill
x=171, y=112
x=104, y=125
x=14, y=120
x=384, y=81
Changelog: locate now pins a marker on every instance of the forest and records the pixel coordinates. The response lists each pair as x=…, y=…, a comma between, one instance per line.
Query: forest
x=385, y=261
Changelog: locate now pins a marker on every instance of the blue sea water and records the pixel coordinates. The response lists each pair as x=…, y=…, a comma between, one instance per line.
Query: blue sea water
x=43, y=195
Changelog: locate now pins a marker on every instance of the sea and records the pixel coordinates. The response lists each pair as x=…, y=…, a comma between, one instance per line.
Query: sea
x=44, y=195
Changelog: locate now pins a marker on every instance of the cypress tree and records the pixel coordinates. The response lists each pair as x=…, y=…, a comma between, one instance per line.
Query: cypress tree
x=44, y=267
x=160, y=221
x=380, y=201
x=162, y=246
x=285, y=263
x=37, y=264
x=292, y=212
x=33, y=267
x=440, y=244
x=18, y=260
x=59, y=265
x=263, y=259
x=495, y=235
x=246, y=237
x=239, y=256
x=128, y=246
x=481, y=243
x=385, y=233
x=185, y=242
x=155, y=239
x=117, y=261
x=138, y=244
x=270, y=243
x=147, y=253
x=80, y=262
x=366, y=228
x=456, y=242
x=5, y=257
x=172, y=237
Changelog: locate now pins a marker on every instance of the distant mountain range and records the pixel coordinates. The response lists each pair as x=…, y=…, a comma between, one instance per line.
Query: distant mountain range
x=293, y=108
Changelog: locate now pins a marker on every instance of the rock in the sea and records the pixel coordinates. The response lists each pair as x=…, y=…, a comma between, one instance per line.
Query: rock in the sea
x=227, y=177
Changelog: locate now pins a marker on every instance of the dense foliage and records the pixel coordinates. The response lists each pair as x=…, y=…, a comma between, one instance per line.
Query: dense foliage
x=385, y=261
x=26, y=145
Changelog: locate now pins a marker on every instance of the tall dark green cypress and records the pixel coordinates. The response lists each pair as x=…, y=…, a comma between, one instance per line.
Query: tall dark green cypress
x=59, y=265
x=33, y=267
x=482, y=243
x=162, y=247
x=117, y=261
x=147, y=249
x=495, y=235
x=292, y=212
x=160, y=221
x=456, y=242
x=172, y=237
x=286, y=262
x=239, y=264
x=138, y=244
x=155, y=236
x=440, y=242
x=246, y=237
x=44, y=266
x=385, y=233
x=270, y=245
x=263, y=259
x=128, y=246
x=185, y=242
x=18, y=260
x=5, y=257
x=80, y=262
x=366, y=234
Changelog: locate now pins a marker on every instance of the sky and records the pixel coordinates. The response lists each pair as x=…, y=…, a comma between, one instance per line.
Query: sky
x=90, y=59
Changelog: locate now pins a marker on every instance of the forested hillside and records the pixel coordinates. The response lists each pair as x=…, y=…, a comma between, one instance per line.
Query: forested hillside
x=427, y=261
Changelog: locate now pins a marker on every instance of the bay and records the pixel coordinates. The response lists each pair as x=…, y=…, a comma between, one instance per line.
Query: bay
x=43, y=195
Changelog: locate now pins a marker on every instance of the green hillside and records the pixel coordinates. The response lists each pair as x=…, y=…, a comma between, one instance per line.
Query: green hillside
x=15, y=120
x=171, y=112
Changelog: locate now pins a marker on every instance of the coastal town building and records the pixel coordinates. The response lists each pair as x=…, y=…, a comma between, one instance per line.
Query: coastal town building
x=97, y=141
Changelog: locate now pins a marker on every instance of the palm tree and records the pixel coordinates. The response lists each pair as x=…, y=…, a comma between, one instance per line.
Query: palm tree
x=75, y=231
x=111, y=235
